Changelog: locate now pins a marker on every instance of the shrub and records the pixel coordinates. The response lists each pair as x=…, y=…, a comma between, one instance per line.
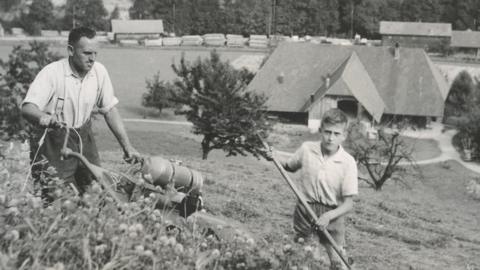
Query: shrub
x=19, y=71
x=90, y=232
x=159, y=94
x=215, y=100
x=459, y=96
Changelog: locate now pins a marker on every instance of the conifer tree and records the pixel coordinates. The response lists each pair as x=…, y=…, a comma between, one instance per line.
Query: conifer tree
x=215, y=100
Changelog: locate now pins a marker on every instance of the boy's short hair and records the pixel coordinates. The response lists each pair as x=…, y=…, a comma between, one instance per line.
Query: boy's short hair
x=77, y=33
x=333, y=117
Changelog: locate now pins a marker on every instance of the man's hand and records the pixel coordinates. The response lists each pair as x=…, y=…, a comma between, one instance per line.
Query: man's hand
x=132, y=156
x=49, y=121
x=323, y=221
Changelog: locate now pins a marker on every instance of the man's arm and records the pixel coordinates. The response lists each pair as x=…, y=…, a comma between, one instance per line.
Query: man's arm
x=345, y=207
x=35, y=116
x=115, y=123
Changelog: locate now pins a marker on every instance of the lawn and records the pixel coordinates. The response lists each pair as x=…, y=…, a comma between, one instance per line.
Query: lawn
x=130, y=67
x=434, y=224
x=289, y=137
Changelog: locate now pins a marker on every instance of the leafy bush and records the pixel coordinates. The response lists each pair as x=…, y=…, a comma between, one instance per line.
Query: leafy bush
x=19, y=71
x=90, y=232
x=215, y=100
x=159, y=94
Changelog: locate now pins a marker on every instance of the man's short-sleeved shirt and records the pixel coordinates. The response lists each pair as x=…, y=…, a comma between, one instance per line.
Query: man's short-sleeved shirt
x=325, y=180
x=81, y=97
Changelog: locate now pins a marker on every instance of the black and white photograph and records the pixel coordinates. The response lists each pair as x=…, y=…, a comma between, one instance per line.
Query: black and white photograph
x=240, y=134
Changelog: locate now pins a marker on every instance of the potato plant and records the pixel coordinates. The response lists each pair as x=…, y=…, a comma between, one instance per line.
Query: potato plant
x=92, y=232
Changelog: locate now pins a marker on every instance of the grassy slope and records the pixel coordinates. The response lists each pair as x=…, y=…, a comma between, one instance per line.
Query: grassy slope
x=433, y=225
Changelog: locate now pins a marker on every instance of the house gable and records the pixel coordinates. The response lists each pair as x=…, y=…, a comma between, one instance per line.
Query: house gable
x=407, y=85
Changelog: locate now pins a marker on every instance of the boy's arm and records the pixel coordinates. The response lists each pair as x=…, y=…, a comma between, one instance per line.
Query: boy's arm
x=345, y=207
x=283, y=159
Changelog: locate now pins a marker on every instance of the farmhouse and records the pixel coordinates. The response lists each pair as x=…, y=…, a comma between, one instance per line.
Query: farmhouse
x=466, y=41
x=137, y=29
x=303, y=80
x=429, y=36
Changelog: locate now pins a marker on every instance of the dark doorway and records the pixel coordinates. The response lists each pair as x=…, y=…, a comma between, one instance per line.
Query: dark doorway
x=348, y=106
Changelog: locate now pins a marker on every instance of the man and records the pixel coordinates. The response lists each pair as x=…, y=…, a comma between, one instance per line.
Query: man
x=66, y=92
x=328, y=182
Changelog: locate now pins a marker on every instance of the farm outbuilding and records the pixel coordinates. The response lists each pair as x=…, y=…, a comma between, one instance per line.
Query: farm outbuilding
x=137, y=29
x=429, y=36
x=466, y=41
x=303, y=80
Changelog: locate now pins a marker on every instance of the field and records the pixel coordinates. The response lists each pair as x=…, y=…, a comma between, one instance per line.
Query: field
x=130, y=67
x=432, y=224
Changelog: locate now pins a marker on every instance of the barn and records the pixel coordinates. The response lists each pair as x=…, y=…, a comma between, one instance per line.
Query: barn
x=303, y=80
x=137, y=29
x=429, y=36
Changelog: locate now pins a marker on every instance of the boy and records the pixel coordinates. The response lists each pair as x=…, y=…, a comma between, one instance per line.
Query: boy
x=329, y=182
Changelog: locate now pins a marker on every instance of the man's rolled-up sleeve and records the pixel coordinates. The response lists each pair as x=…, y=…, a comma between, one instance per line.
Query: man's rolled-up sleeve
x=107, y=99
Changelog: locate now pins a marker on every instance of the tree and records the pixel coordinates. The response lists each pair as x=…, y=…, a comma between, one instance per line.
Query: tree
x=381, y=157
x=19, y=71
x=425, y=11
x=89, y=13
x=214, y=99
x=323, y=17
x=40, y=16
x=159, y=94
x=115, y=14
x=460, y=95
x=141, y=9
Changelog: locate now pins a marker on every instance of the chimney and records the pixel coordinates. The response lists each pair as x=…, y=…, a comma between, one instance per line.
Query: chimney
x=396, y=54
x=327, y=81
x=312, y=98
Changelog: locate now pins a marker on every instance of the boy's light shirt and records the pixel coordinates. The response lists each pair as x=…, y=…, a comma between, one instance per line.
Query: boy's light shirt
x=325, y=180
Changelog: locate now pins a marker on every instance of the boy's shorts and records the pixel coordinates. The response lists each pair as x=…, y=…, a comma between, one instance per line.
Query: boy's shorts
x=302, y=223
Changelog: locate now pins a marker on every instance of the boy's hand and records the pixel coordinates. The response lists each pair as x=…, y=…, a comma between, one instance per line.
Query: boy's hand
x=269, y=153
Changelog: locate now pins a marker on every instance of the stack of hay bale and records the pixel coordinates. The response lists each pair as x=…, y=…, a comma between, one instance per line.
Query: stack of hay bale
x=128, y=42
x=172, y=41
x=192, y=40
x=214, y=39
x=236, y=40
x=49, y=33
x=153, y=42
x=258, y=41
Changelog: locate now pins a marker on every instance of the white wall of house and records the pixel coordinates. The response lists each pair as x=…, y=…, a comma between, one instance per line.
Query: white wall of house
x=317, y=110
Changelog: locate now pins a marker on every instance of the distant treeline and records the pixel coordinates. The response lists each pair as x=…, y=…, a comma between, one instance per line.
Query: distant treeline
x=339, y=18
x=342, y=18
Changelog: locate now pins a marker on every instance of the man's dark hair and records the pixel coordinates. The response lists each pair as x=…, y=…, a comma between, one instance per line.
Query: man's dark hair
x=77, y=33
x=333, y=117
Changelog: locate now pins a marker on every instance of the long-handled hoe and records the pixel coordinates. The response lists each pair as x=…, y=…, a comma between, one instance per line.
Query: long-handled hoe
x=303, y=201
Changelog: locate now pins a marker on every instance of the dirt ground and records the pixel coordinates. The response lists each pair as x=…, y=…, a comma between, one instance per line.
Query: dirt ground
x=431, y=224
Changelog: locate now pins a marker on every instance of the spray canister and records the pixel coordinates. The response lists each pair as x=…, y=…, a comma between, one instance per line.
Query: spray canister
x=161, y=172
